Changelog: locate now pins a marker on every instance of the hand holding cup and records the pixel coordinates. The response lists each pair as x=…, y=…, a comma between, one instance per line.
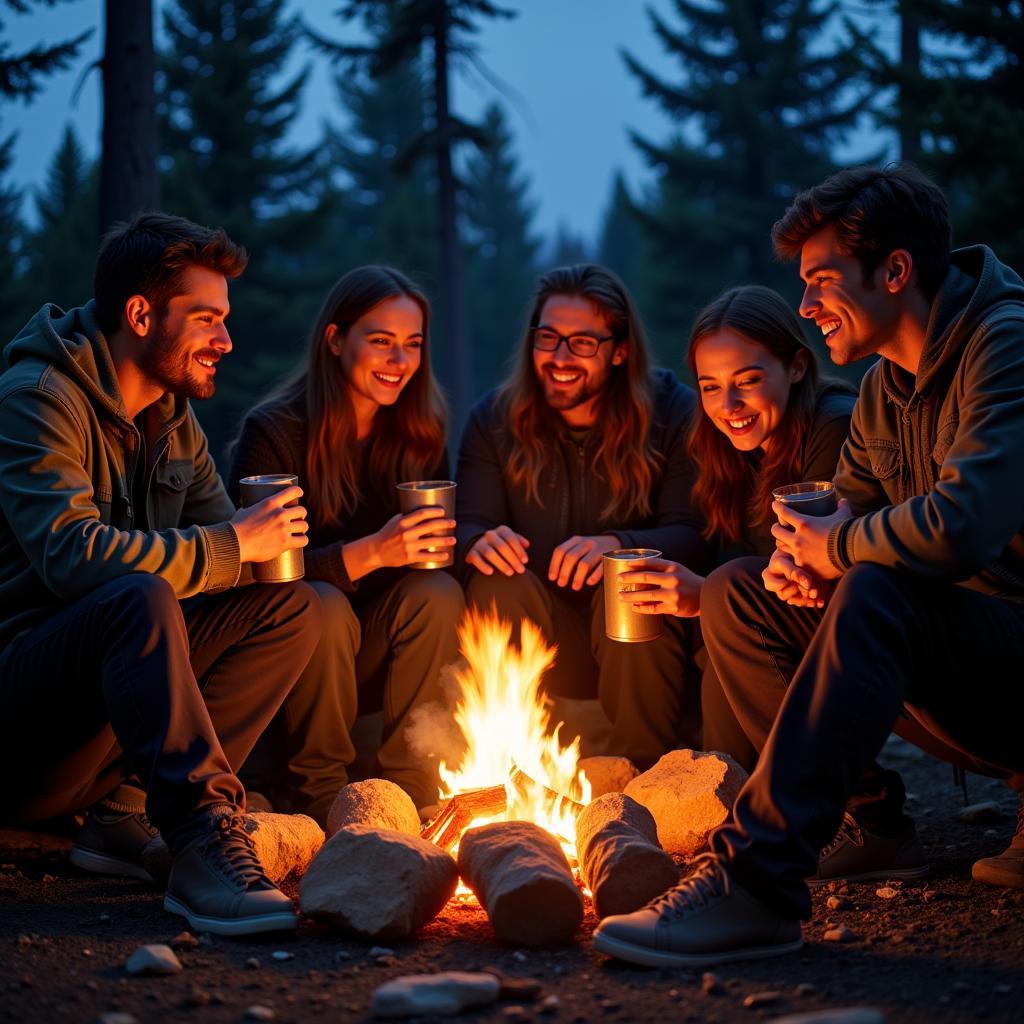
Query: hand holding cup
x=271, y=527
x=411, y=538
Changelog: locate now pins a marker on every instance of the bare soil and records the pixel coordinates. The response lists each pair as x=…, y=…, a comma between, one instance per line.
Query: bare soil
x=944, y=949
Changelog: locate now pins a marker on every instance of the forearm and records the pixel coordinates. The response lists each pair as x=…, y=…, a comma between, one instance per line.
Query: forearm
x=361, y=557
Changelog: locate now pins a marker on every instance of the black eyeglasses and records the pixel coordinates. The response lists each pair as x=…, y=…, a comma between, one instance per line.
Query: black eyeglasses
x=583, y=345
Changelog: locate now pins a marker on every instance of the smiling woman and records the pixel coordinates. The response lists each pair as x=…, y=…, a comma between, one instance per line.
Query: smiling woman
x=362, y=414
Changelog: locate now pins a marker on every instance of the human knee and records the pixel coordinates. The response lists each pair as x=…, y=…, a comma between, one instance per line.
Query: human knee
x=435, y=594
x=732, y=580
x=339, y=622
x=145, y=595
x=500, y=590
x=867, y=586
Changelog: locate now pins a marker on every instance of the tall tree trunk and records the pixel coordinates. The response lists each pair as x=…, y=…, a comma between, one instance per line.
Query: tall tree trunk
x=128, y=174
x=455, y=347
x=910, y=67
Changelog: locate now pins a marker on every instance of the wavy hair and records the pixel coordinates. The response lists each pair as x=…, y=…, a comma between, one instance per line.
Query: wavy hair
x=729, y=491
x=408, y=437
x=625, y=457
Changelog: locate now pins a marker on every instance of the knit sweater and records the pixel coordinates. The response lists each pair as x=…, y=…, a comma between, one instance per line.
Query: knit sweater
x=274, y=439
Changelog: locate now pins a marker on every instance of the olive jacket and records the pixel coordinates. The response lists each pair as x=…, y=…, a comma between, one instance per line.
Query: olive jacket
x=86, y=494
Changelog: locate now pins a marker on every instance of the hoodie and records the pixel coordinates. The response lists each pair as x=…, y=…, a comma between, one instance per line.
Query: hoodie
x=934, y=465
x=86, y=494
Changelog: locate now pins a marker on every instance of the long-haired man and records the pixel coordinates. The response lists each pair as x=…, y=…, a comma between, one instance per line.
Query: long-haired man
x=580, y=451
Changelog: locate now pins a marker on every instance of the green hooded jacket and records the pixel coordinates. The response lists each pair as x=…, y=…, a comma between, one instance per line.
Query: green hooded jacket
x=934, y=464
x=86, y=495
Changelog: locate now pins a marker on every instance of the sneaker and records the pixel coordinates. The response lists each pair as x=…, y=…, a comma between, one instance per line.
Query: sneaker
x=122, y=843
x=706, y=919
x=860, y=854
x=218, y=885
x=1006, y=868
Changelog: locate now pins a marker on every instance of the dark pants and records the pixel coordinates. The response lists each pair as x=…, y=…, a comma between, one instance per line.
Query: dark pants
x=819, y=691
x=382, y=654
x=647, y=690
x=128, y=681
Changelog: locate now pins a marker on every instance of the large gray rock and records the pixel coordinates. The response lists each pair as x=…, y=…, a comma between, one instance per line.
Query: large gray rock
x=690, y=793
x=153, y=959
x=620, y=858
x=374, y=802
x=285, y=843
x=521, y=878
x=607, y=774
x=444, y=994
x=377, y=883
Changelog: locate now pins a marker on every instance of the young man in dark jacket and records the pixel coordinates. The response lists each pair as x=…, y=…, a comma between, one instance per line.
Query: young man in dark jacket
x=128, y=684
x=914, y=587
x=581, y=451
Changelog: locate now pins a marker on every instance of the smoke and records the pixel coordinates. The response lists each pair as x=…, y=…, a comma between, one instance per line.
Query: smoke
x=432, y=731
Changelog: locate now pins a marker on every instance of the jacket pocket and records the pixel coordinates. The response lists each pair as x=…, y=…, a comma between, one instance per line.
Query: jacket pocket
x=944, y=439
x=885, y=457
x=170, y=485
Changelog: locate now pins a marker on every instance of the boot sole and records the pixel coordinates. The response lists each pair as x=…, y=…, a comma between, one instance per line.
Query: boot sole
x=901, y=874
x=103, y=864
x=280, y=921
x=1006, y=878
x=663, y=958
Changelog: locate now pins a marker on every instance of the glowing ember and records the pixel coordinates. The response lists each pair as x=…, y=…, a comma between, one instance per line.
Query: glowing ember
x=509, y=737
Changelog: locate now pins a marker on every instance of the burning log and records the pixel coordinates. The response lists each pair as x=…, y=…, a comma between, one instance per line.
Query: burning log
x=521, y=878
x=375, y=802
x=377, y=883
x=620, y=858
x=461, y=811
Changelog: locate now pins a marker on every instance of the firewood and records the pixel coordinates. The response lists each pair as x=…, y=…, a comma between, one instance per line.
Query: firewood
x=460, y=812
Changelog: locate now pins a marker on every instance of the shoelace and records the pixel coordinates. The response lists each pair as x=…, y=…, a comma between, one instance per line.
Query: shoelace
x=708, y=881
x=848, y=829
x=233, y=852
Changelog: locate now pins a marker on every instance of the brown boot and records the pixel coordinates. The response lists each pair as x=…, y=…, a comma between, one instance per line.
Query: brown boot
x=1006, y=868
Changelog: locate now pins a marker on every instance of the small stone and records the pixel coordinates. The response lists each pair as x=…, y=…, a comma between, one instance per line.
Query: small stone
x=837, y=1015
x=380, y=951
x=513, y=987
x=710, y=984
x=253, y=964
x=103, y=919
x=991, y=833
x=184, y=940
x=519, y=956
x=514, y=1013
x=980, y=814
x=887, y=892
x=281, y=955
x=445, y=993
x=153, y=959
x=87, y=952
x=758, y=999
x=607, y=774
x=376, y=803
x=550, y=1004
x=840, y=934
x=837, y=903
x=23, y=941
x=258, y=1012
x=608, y=1005
x=198, y=997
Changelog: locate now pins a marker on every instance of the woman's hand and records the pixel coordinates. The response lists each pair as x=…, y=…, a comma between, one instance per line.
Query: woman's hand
x=502, y=549
x=793, y=584
x=405, y=538
x=578, y=560
x=672, y=589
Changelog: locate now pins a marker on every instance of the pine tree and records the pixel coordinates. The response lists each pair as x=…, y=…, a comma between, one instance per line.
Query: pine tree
x=621, y=246
x=13, y=309
x=568, y=247
x=20, y=73
x=502, y=250
x=758, y=103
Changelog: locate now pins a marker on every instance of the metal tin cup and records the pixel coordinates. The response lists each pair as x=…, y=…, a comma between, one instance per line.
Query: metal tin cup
x=418, y=494
x=288, y=565
x=620, y=621
x=816, y=498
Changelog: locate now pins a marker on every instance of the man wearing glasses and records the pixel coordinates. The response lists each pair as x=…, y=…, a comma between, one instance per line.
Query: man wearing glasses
x=580, y=451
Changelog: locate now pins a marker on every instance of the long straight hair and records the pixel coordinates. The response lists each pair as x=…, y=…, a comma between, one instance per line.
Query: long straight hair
x=625, y=458
x=408, y=437
x=729, y=491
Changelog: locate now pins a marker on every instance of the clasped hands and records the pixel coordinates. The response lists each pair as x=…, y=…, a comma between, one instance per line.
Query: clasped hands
x=800, y=570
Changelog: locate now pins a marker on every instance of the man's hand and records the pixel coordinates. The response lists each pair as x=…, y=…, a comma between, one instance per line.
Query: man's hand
x=676, y=589
x=268, y=529
x=405, y=537
x=789, y=583
x=805, y=538
x=578, y=560
x=502, y=549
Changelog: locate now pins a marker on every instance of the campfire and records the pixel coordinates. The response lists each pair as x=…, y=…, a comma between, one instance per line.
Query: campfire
x=515, y=766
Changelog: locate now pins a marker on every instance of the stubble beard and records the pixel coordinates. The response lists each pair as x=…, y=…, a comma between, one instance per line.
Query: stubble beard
x=169, y=365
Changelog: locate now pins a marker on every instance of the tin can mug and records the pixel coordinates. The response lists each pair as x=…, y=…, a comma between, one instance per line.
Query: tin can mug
x=417, y=494
x=620, y=621
x=289, y=565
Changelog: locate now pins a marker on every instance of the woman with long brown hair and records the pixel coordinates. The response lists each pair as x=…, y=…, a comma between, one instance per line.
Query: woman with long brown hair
x=580, y=451
x=767, y=419
x=361, y=414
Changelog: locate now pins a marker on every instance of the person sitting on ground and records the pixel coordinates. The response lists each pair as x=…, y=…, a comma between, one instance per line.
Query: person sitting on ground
x=133, y=680
x=767, y=419
x=581, y=451
x=873, y=618
x=361, y=414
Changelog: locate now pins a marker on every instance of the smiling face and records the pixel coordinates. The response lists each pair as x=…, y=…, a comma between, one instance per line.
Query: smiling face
x=857, y=318
x=571, y=384
x=379, y=353
x=189, y=336
x=744, y=388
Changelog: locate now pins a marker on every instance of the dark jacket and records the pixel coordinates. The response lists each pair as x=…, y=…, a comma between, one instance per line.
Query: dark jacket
x=572, y=494
x=934, y=467
x=274, y=439
x=86, y=495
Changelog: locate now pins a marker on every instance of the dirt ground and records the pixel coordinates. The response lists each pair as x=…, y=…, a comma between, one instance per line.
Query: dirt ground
x=944, y=949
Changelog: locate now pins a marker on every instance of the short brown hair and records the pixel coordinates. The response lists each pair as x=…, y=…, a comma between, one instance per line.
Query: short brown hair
x=148, y=255
x=875, y=210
